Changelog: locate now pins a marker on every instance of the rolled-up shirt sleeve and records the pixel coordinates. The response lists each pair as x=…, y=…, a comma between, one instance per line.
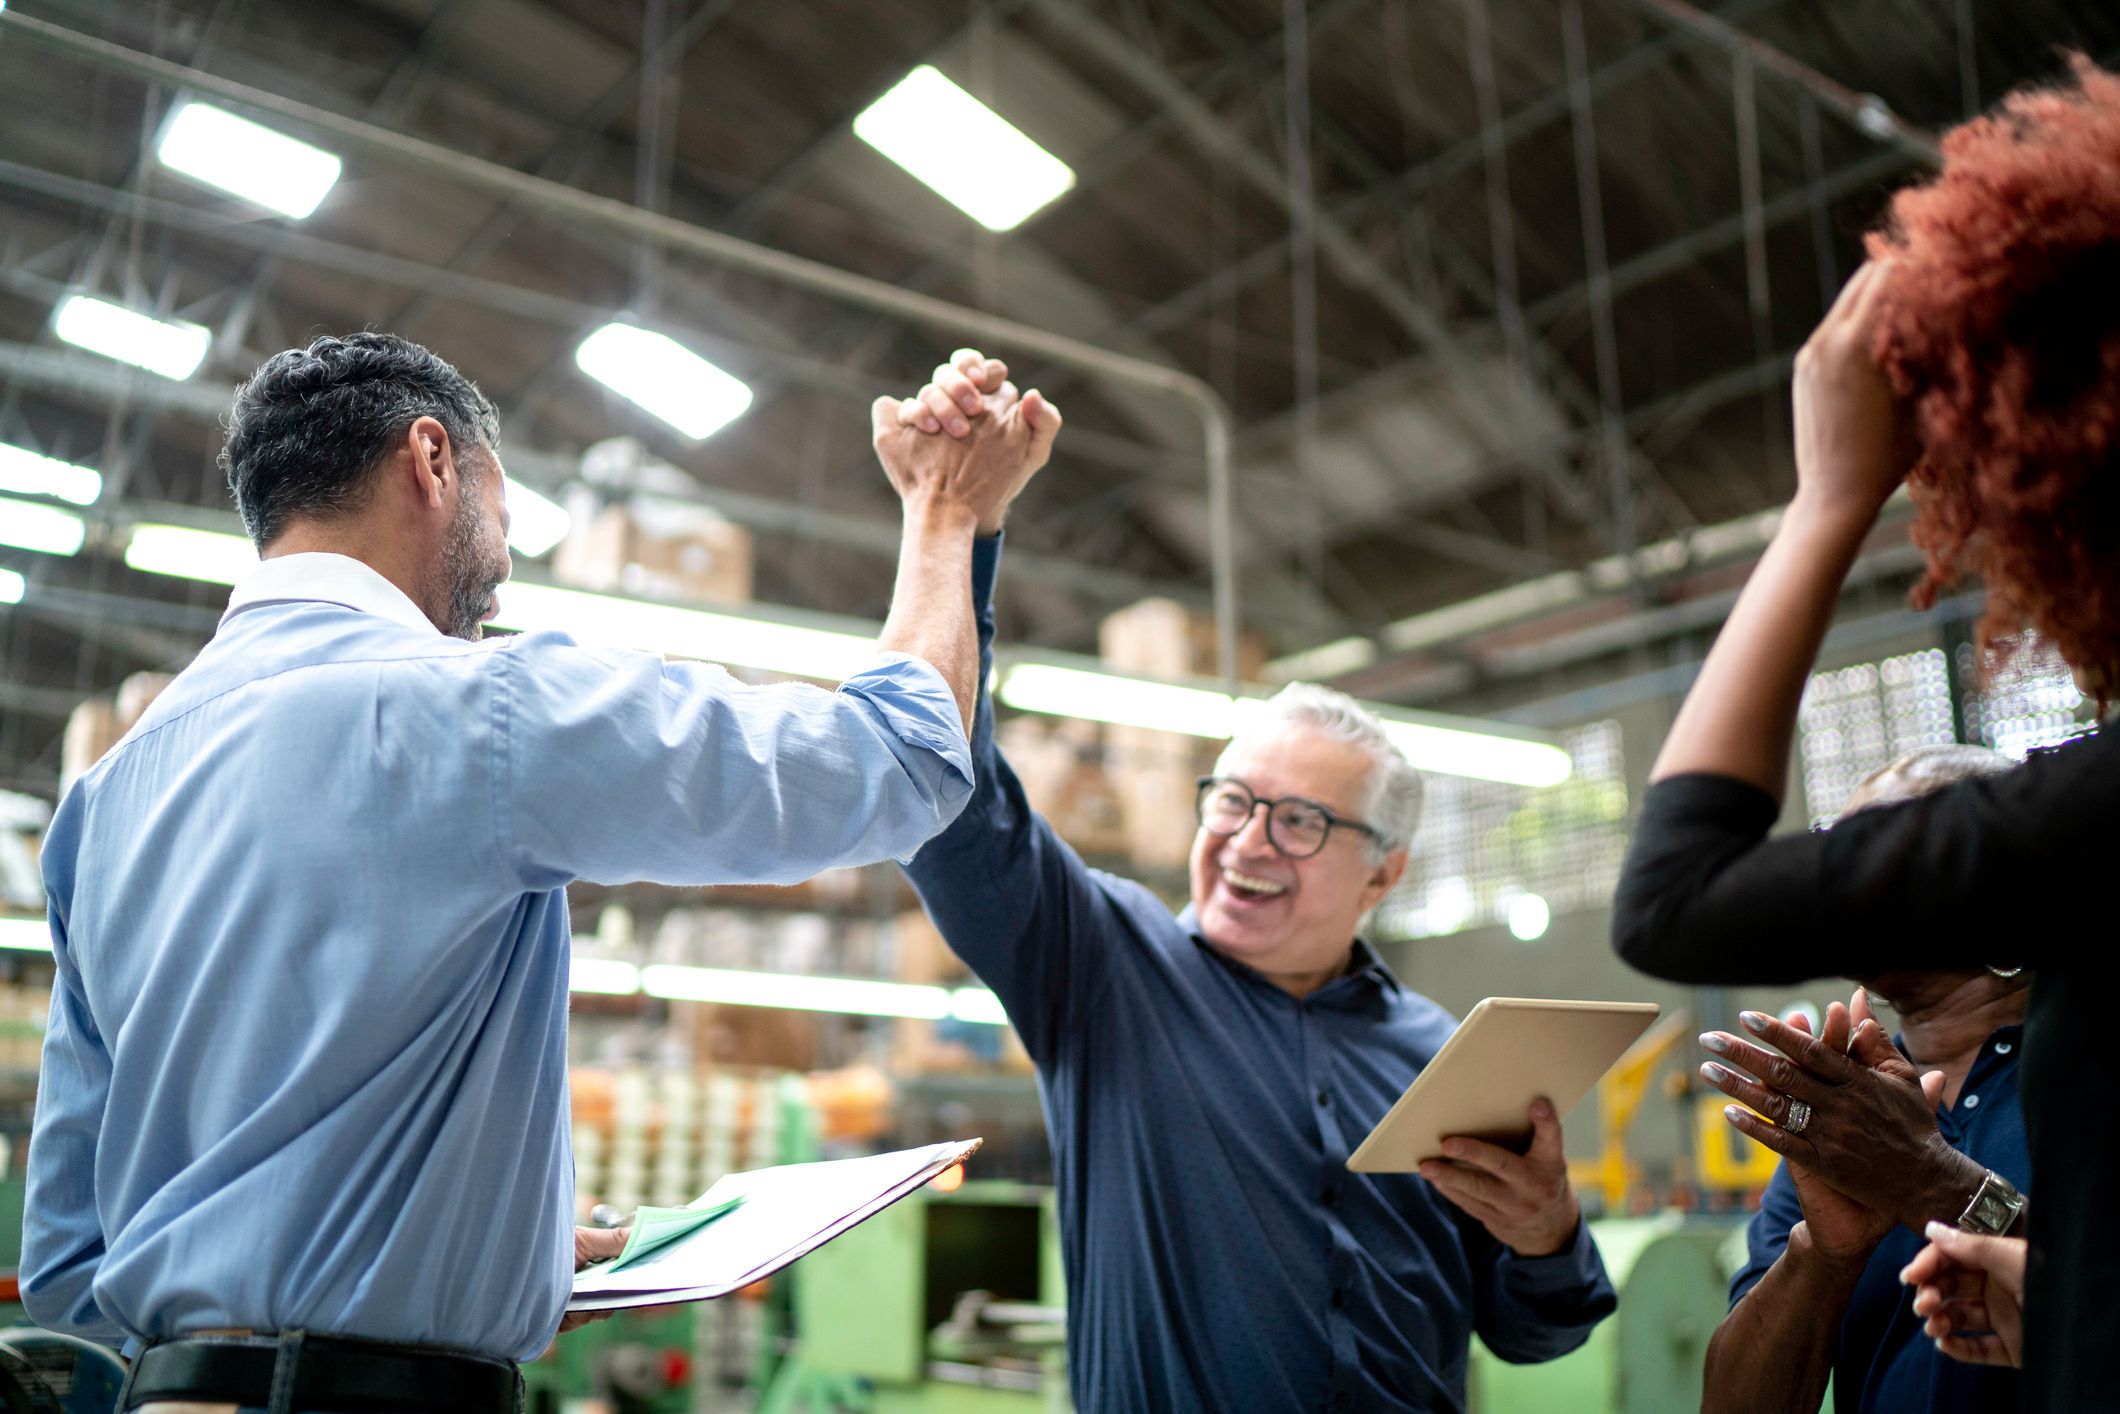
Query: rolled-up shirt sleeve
x=1984, y=871
x=62, y=1231
x=613, y=766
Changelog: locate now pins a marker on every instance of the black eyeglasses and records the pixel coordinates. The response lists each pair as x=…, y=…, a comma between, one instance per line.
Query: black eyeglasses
x=1297, y=827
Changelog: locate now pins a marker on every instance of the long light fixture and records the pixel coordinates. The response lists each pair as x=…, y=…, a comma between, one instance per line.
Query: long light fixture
x=173, y=348
x=663, y=377
x=613, y=621
x=1203, y=712
x=25, y=935
x=968, y=154
x=605, y=976
x=28, y=473
x=846, y=996
x=830, y=655
x=32, y=525
x=278, y=172
x=535, y=523
x=185, y=553
x=12, y=586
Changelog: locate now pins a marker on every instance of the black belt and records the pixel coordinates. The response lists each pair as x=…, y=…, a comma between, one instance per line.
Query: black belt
x=299, y=1371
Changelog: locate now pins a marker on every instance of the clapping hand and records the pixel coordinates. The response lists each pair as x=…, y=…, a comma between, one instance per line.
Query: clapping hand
x=1862, y=1121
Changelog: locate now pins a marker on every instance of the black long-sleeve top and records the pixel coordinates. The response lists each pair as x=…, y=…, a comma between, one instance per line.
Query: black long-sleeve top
x=2005, y=871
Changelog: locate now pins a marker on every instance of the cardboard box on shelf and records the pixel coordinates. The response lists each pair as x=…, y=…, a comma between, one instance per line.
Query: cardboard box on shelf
x=91, y=730
x=658, y=550
x=1063, y=774
x=1162, y=638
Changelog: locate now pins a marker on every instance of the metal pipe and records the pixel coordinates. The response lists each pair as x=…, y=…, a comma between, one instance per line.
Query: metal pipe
x=713, y=246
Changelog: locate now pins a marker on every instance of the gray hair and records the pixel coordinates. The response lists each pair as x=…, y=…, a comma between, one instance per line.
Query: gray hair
x=1394, y=806
x=1923, y=770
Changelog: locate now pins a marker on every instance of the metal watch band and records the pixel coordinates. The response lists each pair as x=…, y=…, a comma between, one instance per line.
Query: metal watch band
x=1994, y=1208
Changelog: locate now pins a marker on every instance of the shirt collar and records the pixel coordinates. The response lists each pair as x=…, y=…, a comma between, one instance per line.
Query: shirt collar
x=319, y=577
x=1366, y=963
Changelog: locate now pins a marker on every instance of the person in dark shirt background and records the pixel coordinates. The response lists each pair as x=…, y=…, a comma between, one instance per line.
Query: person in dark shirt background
x=1819, y=1292
x=1977, y=357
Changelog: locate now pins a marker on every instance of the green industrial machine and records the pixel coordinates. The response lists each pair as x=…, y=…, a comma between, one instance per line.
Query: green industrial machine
x=945, y=1303
x=1672, y=1275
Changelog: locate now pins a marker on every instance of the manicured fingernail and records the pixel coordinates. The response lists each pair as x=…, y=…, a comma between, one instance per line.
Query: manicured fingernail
x=1712, y=1072
x=1732, y=1112
x=1715, y=1041
x=1755, y=1022
x=1936, y=1230
x=1905, y=1279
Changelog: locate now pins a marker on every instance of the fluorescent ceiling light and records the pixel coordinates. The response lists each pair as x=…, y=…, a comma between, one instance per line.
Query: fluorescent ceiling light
x=1454, y=752
x=11, y=587
x=535, y=523
x=26, y=473
x=977, y=1004
x=612, y=621
x=249, y=159
x=851, y=996
x=190, y=554
x=664, y=377
x=604, y=975
x=1194, y=711
x=971, y=156
x=170, y=347
x=1126, y=702
x=25, y=935
x=32, y=525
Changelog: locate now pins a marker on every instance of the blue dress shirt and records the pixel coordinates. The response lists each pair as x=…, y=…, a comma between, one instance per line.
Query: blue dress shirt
x=1220, y=1256
x=307, y=1056
x=1883, y=1363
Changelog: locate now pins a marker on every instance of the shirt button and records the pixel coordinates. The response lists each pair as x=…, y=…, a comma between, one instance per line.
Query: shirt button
x=1971, y=1102
x=1324, y=1100
x=2003, y=1048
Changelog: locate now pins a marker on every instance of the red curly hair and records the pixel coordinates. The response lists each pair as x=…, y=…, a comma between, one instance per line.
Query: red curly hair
x=2001, y=327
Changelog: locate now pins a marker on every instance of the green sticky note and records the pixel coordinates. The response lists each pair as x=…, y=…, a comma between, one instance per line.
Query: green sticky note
x=656, y=1228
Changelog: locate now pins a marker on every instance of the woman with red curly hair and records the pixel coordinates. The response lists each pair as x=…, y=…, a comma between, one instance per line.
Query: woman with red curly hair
x=1976, y=356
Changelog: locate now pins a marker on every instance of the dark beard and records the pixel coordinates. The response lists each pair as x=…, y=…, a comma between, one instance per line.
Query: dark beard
x=470, y=576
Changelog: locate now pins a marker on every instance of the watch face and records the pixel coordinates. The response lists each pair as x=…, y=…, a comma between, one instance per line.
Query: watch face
x=1994, y=1208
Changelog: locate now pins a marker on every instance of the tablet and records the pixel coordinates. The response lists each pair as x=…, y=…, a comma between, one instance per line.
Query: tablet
x=1507, y=1053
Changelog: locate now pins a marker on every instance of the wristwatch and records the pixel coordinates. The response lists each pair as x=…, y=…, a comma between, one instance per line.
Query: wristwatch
x=1994, y=1209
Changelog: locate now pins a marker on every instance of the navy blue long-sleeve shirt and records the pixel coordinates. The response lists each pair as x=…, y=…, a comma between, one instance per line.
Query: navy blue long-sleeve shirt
x=1220, y=1256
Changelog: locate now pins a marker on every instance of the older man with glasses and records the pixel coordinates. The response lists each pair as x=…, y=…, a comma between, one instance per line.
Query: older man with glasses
x=1206, y=1075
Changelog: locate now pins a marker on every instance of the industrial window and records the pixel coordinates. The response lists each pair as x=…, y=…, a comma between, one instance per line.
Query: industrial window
x=1856, y=719
x=2030, y=701
x=1497, y=854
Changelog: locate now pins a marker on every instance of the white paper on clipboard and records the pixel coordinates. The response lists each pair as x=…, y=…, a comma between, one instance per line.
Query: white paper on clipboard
x=786, y=1213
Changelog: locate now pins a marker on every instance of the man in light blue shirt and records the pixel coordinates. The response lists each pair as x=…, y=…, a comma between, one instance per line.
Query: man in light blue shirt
x=306, y=1065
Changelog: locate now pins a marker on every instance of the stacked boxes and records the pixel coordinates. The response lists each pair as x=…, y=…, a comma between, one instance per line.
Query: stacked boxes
x=657, y=549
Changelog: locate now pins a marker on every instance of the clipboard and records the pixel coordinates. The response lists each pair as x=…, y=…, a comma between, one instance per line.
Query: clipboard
x=773, y=1216
x=1507, y=1053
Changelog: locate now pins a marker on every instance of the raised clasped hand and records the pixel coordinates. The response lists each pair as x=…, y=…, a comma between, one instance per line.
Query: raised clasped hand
x=967, y=436
x=1524, y=1200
